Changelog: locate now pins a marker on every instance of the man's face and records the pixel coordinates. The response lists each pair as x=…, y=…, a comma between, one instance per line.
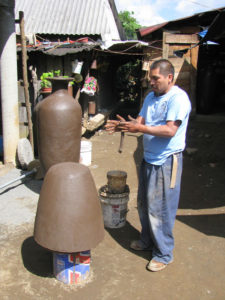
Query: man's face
x=160, y=84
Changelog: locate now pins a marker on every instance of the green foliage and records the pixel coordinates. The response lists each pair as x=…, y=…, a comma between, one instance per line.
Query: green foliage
x=129, y=24
x=44, y=82
x=57, y=73
x=128, y=81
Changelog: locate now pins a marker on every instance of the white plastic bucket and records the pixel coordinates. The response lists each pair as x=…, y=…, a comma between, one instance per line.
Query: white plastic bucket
x=114, y=208
x=85, y=153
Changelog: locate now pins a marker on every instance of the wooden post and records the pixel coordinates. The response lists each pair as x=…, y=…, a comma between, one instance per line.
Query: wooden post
x=25, y=79
x=165, y=53
x=77, y=95
x=85, y=109
x=193, y=82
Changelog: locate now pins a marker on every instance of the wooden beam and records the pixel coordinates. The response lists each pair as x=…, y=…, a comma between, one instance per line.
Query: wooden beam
x=25, y=79
x=194, y=57
x=165, y=53
x=182, y=75
x=194, y=63
x=181, y=38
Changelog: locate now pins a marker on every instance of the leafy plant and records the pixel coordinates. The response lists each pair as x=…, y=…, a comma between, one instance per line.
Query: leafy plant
x=44, y=82
x=57, y=73
x=129, y=24
x=128, y=81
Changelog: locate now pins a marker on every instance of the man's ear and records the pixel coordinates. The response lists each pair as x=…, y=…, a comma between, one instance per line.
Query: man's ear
x=170, y=77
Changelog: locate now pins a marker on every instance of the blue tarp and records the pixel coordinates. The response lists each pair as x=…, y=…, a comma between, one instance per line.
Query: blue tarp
x=202, y=34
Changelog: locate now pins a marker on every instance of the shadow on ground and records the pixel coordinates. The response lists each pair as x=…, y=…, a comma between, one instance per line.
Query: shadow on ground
x=212, y=225
x=138, y=153
x=36, y=259
x=34, y=185
x=202, y=186
x=125, y=235
x=10, y=188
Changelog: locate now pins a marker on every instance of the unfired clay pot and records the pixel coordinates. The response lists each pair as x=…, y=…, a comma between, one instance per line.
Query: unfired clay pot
x=69, y=217
x=58, y=129
x=116, y=181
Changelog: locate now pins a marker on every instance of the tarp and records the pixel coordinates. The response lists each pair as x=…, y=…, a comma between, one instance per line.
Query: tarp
x=216, y=30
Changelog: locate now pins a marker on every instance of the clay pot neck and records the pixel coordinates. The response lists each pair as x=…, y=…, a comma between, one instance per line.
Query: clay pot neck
x=59, y=83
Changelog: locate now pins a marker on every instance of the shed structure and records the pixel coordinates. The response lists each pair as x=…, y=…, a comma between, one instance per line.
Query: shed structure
x=59, y=32
x=181, y=42
x=73, y=29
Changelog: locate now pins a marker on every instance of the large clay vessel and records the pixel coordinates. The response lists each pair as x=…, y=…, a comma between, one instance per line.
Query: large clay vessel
x=59, y=128
x=69, y=217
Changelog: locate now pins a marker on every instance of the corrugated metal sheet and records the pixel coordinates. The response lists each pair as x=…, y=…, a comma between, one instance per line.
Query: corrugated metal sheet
x=68, y=17
x=63, y=49
x=150, y=29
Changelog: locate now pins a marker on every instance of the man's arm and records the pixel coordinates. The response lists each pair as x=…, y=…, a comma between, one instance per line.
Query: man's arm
x=138, y=125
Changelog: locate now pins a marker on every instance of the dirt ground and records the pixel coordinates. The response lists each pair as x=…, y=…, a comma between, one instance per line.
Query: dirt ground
x=117, y=272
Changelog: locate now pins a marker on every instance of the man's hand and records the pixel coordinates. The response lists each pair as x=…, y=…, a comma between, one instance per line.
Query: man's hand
x=129, y=126
x=113, y=125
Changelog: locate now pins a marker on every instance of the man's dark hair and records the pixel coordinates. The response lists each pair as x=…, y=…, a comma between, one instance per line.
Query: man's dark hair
x=165, y=67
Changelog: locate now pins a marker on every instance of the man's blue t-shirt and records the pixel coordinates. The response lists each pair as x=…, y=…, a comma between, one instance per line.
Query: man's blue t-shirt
x=157, y=110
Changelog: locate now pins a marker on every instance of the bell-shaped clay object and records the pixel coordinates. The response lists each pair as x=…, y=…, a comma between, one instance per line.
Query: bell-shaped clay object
x=69, y=217
x=59, y=129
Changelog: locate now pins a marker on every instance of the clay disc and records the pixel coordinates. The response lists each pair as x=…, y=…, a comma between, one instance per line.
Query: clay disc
x=24, y=153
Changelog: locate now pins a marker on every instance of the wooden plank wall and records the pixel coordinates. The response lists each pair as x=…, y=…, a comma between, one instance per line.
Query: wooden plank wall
x=185, y=67
x=47, y=63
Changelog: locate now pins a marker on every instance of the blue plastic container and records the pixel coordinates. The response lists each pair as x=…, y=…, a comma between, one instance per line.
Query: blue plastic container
x=72, y=268
x=1, y=145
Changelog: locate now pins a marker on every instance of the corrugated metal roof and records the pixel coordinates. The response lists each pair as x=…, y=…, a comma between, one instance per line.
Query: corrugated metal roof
x=62, y=49
x=144, y=31
x=68, y=17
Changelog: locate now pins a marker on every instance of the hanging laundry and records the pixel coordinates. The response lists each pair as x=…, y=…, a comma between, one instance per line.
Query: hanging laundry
x=90, y=86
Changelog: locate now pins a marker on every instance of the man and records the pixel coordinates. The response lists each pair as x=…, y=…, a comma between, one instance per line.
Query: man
x=163, y=120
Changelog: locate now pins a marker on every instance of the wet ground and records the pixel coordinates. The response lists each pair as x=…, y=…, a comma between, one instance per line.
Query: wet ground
x=198, y=271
